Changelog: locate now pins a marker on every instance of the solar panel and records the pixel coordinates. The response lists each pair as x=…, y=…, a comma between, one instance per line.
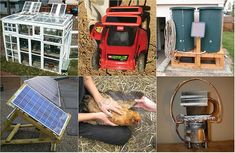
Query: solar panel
x=39, y=108
x=46, y=86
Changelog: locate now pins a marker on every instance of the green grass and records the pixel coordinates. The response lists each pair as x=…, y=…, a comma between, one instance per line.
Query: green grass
x=73, y=68
x=228, y=43
x=22, y=70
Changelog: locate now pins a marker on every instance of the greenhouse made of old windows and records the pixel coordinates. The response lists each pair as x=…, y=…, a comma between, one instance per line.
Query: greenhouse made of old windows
x=39, y=39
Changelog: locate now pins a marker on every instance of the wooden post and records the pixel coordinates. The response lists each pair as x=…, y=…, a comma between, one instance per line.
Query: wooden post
x=198, y=52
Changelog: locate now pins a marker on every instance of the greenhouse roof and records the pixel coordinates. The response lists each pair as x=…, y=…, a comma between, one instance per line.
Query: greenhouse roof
x=30, y=14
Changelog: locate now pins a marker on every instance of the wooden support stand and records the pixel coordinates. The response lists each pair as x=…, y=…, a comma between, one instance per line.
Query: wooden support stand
x=198, y=60
x=49, y=137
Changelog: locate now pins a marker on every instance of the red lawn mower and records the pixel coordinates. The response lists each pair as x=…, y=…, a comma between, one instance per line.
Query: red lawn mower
x=122, y=39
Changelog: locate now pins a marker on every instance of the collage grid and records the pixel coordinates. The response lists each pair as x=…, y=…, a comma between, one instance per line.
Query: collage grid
x=117, y=75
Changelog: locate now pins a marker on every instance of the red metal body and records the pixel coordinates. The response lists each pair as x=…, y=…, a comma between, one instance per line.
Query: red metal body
x=120, y=34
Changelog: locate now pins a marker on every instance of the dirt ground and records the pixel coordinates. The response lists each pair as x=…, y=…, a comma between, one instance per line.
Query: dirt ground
x=86, y=45
x=143, y=135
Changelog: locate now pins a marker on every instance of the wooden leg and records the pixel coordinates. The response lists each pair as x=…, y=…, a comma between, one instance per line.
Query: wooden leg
x=53, y=147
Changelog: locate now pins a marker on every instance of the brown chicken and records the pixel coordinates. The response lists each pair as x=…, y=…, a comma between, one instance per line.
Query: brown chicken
x=128, y=116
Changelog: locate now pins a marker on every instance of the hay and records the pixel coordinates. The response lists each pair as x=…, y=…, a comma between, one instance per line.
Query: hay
x=144, y=133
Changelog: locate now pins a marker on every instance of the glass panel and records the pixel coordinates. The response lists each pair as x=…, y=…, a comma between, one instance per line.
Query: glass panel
x=7, y=38
x=24, y=44
x=36, y=47
x=15, y=56
x=25, y=29
x=54, y=7
x=37, y=30
x=52, y=51
x=14, y=46
x=24, y=58
x=8, y=45
x=9, y=53
x=14, y=39
x=52, y=39
x=55, y=32
x=36, y=61
x=51, y=64
x=27, y=6
x=74, y=53
x=62, y=9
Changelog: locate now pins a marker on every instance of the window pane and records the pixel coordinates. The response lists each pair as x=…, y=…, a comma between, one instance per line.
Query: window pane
x=37, y=30
x=52, y=51
x=24, y=44
x=8, y=45
x=36, y=61
x=52, y=39
x=36, y=47
x=24, y=58
x=25, y=29
x=51, y=64
x=7, y=38
x=55, y=32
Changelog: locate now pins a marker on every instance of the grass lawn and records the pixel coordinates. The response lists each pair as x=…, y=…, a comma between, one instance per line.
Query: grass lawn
x=22, y=70
x=228, y=43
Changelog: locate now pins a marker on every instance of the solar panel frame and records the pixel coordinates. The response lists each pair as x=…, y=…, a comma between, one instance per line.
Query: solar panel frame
x=17, y=94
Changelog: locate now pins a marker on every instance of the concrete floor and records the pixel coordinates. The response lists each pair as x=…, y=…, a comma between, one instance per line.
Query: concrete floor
x=68, y=143
x=170, y=71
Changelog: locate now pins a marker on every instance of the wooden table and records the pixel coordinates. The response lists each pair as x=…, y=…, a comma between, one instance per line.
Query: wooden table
x=217, y=146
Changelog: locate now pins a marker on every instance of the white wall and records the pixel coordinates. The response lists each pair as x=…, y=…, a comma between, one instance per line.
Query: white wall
x=163, y=6
x=166, y=128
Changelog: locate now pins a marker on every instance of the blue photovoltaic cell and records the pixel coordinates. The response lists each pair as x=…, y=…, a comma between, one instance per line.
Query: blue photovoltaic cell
x=41, y=109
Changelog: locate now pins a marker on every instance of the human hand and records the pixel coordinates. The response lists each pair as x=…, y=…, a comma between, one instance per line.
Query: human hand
x=145, y=104
x=103, y=118
x=107, y=105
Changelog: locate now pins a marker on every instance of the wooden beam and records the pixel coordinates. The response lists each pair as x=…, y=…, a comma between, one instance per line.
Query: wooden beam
x=13, y=132
x=23, y=125
x=28, y=141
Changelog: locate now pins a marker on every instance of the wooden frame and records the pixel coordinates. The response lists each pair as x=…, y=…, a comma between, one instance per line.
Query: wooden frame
x=8, y=125
x=199, y=57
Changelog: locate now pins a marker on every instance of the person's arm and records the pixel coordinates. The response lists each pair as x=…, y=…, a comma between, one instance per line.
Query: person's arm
x=105, y=104
x=100, y=116
x=90, y=86
x=146, y=104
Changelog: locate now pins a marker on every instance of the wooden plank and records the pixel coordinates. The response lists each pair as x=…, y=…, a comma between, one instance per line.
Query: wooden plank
x=23, y=125
x=198, y=52
x=28, y=141
x=218, y=57
x=53, y=147
x=13, y=132
x=8, y=122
